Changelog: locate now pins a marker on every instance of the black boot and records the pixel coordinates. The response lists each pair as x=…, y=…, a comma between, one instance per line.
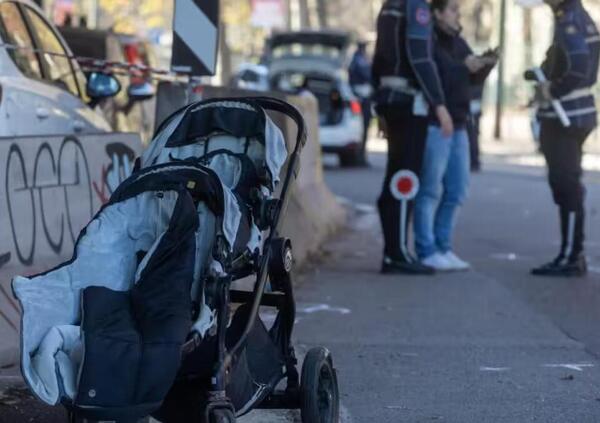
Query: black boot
x=404, y=266
x=571, y=260
x=573, y=267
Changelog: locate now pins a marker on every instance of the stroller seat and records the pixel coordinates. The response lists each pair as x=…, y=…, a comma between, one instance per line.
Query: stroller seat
x=140, y=321
x=123, y=301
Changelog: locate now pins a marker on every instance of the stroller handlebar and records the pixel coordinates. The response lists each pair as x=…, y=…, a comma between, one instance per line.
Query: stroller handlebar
x=280, y=106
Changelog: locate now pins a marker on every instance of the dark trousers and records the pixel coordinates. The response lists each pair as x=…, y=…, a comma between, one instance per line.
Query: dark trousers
x=367, y=116
x=473, y=129
x=406, y=135
x=563, y=150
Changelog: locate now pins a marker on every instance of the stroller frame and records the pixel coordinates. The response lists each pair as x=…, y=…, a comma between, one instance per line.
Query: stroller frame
x=274, y=266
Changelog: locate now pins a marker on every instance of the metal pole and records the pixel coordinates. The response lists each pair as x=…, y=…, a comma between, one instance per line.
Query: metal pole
x=500, y=89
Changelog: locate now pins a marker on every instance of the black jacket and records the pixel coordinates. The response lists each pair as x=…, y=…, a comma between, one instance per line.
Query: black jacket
x=450, y=52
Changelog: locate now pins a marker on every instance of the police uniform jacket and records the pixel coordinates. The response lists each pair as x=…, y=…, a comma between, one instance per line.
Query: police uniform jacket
x=403, y=63
x=572, y=64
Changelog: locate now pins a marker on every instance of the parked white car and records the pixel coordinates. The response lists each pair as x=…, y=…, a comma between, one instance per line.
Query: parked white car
x=316, y=61
x=250, y=76
x=41, y=93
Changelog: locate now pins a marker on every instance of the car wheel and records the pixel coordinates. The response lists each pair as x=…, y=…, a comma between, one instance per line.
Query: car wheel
x=351, y=158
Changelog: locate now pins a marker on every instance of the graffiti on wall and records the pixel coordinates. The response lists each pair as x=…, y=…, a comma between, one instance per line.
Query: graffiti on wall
x=120, y=168
x=52, y=191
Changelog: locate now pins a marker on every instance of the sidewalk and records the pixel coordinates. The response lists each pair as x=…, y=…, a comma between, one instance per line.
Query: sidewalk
x=517, y=145
x=494, y=345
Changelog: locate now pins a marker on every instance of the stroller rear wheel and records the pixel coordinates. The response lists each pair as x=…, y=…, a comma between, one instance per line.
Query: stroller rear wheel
x=320, y=401
x=222, y=416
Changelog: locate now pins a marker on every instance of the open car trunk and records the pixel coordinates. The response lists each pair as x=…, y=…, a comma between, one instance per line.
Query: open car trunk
x=324, y=86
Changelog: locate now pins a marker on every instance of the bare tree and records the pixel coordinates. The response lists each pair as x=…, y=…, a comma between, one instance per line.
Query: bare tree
x=304, y=14
x=226, y=66
x=322, y=13
x=528, y=37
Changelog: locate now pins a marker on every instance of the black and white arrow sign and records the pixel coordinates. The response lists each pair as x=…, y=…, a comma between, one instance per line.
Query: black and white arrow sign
x=195, y=37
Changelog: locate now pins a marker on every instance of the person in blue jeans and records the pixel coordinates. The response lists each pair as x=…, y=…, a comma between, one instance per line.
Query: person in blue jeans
x=446, y=163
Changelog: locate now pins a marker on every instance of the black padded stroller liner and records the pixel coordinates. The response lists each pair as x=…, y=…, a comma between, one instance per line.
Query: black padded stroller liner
x=206, y=184
x=241, y=125
x=204, y=121
x=164, y=180
x=132, y=340
x=257, y=369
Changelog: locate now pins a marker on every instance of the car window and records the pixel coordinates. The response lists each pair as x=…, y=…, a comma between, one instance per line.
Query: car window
x=249, y=76
x=58, y=67
x=14, y=31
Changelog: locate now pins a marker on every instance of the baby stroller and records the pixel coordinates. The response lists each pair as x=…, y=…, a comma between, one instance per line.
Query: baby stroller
x=145, y=318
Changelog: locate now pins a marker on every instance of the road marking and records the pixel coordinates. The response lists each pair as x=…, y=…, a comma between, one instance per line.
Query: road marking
x=594, y=269
x=396, y=407
x=576, y=367
x=505, y=256
x=316, y=308
x=494, y=369
x=360, y=207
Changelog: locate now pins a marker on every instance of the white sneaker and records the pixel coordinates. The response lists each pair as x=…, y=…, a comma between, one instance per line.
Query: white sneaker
x=438, y=262
x=456, y=263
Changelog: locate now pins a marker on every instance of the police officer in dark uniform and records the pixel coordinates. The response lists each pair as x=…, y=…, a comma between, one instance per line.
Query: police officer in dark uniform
x=571, y=67
x=407, y=84
x=359, y=73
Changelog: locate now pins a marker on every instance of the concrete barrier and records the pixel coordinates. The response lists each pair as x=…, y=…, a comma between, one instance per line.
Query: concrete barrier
x=50, y=189
x=313, y=213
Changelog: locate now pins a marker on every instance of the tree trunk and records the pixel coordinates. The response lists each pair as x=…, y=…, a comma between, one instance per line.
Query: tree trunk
x=304, y=14
x=288, y=14
x=226, y=70
x=322, y=13
x=528, y=38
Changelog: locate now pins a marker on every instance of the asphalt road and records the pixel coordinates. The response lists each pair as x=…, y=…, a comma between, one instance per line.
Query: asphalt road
x=490, y=345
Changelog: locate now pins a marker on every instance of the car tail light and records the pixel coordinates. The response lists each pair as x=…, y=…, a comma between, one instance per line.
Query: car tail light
x=355, y=107
x=132, y=54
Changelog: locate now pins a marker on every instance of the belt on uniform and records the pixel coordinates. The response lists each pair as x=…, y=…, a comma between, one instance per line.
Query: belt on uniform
x=475, y=107
x=577, y=94
x=398, y=83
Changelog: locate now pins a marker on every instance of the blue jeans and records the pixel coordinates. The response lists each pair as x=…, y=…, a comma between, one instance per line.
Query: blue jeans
x=444, y=184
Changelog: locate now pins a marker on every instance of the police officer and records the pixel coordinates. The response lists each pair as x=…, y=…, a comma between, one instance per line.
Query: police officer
x=359, y=72
x=407, y=84
x=571, y=67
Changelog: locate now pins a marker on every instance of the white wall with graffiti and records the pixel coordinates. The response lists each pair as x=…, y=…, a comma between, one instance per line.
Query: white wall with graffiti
x=50, y=189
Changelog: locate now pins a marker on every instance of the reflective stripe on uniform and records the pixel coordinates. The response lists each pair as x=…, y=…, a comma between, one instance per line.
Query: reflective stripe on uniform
x=571, y=113
x=576, y=94
x=594, y=39
x=570, y=235
x=394, y=82
x=392, y=12
x=398, y=83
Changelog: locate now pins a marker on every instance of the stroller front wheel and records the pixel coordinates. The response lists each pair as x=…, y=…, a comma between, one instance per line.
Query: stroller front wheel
x=320, y=401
